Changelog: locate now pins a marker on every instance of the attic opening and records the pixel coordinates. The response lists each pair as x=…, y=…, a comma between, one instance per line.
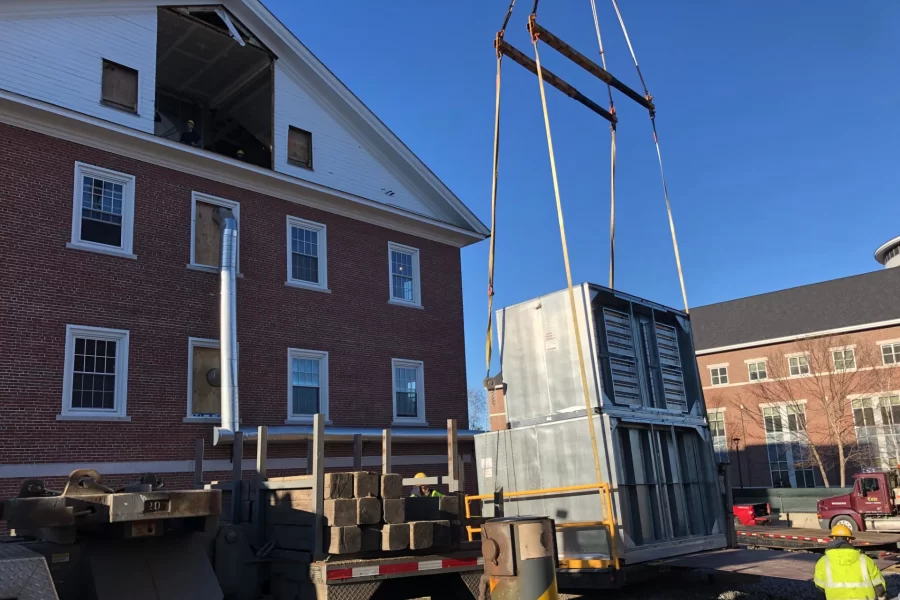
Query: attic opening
x=214, y=84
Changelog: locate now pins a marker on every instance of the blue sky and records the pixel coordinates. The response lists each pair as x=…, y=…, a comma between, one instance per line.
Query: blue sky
x=778, y=127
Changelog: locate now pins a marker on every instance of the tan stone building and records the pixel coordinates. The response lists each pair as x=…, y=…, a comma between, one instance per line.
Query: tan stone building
x=802, y=384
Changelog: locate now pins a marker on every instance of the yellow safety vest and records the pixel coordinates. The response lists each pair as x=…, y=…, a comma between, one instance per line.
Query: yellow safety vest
x=847, y=574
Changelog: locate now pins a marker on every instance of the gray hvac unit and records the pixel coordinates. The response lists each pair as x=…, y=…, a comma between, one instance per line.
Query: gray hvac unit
x=649, y=416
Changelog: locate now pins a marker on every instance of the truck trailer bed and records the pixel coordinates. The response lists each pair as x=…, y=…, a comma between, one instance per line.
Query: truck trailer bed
x=790, y=538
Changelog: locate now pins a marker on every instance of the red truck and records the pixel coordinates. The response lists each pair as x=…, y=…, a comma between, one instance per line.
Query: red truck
x=871, y=506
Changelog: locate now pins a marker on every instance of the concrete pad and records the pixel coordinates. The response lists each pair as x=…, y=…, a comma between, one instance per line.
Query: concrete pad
x=340, y=512
x=368, y=511
x=338, y=485
x=394, y=510
x=391, y=485
x=421, y=535
x=365, y=484
x=344, y=540
x=395, y=537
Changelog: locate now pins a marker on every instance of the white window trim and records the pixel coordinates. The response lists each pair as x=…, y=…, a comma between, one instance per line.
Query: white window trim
x=420, y=390
x=214, y=200
x=127, y=182
x=886, y=342
x=788, y=358
x=194, y=342
x=727, y=375
x=417, y=278
x=322, y=357
x=881, y=346
x=119, y=413
x=717, y=365
x=842, y=350
x=781, y=404
x=322, y=230
x=785, y=437
x=756, y=361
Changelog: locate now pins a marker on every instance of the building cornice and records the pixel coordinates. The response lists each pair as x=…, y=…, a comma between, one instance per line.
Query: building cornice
x=804, y=336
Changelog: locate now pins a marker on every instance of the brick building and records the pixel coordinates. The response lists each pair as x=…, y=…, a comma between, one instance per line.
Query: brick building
x=802, y=384
x=125, y=125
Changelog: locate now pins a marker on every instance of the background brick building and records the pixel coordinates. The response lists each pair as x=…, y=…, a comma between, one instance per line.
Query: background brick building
x=349, y=297
x=802, y=384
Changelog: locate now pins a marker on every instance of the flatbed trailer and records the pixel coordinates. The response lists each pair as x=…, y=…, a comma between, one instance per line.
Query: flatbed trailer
x=790, y=538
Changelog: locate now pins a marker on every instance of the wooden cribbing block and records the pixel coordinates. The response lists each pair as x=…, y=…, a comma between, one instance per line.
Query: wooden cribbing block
x=421, y=535
x=365, y=484
x=338, y=485
x=394, y=510
x=371, y=538
x=368, y=511
x=344, y=540
x=341, y=512
x=395, y=537
x=391, y=485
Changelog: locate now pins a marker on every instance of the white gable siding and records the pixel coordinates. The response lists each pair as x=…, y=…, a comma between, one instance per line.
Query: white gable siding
x=59, y=60
x=339, y=161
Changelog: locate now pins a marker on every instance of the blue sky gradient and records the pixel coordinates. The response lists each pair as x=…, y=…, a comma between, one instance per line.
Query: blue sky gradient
x=778, y=127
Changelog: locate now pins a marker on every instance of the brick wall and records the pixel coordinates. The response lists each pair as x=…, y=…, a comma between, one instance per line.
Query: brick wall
x=47, y=286
x=741, y=398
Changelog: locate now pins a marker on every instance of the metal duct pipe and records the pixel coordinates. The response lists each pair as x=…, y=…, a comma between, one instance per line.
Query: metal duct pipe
x=228, y=318
x=299, y=433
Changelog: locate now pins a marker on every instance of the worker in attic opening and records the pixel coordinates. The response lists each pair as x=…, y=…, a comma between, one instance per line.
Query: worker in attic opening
x=190, y=137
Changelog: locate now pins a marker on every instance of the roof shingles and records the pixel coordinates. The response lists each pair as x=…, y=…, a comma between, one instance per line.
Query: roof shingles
x=846, y=302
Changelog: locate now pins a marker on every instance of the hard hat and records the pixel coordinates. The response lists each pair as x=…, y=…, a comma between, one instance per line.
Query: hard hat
x=841, y=531
x=421, y=475
x=190, y=121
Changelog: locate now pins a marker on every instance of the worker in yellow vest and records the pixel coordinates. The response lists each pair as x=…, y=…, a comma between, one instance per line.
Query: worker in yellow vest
x=845, y=573
x=425, y=490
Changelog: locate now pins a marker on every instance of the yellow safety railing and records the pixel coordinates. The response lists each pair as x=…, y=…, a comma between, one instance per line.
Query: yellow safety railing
x=608, y=522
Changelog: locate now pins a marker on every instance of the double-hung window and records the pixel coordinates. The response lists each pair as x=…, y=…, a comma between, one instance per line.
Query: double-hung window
x=307, y=384
x=877, y=422
x=787, y=444
x=890, y=353
x=307, y=257
x=717, y=430
x=757, y=370
x=96, y=373
x=102, y=211
x=798, y=365
x=206, y=232
x=718, y=375
x=404, y=275
x=409, y=390
x=844, y=359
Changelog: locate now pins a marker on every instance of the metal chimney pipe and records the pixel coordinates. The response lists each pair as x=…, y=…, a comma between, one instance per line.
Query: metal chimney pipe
x=228, y=318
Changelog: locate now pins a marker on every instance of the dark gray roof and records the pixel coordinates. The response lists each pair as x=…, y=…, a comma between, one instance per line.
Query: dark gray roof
x=850, y=301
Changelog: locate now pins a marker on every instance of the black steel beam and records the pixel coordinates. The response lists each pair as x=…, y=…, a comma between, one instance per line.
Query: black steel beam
x=549, y=77
x=585, y=63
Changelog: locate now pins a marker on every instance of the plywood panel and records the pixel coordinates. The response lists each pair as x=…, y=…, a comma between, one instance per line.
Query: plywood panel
x=205, y=399
x=207, y=236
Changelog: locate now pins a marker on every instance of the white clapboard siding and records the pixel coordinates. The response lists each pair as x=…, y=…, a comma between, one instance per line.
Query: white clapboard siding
x=339, y=160
x=59, y=61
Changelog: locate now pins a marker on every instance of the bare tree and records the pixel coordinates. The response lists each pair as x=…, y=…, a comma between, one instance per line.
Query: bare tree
x=478, y=411
x=815, y=382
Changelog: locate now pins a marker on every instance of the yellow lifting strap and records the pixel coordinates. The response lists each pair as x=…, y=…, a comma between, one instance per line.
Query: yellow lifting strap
x=572, y=309
x=489, y=337
x=658, y=155
x=612, y=158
